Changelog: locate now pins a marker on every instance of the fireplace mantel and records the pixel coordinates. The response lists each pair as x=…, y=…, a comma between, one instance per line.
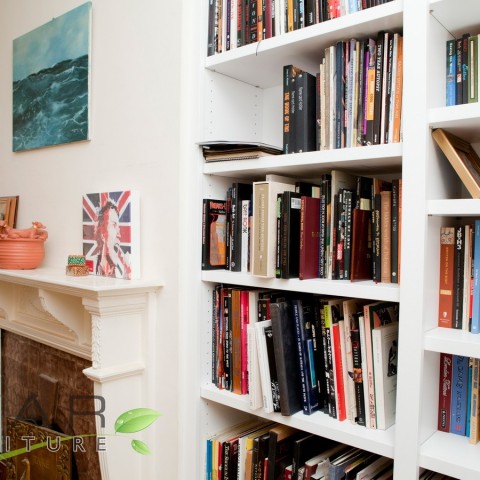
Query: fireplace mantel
x=105, y=320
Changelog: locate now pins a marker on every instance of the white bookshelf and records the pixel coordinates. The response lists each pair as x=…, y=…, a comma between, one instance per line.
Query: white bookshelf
x=237, y=96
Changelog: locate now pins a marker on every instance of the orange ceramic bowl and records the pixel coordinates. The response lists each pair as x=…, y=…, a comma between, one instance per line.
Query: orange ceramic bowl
x=21, y=253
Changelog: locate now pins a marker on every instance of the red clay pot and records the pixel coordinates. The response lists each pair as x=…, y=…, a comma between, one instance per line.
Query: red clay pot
x=21, y=253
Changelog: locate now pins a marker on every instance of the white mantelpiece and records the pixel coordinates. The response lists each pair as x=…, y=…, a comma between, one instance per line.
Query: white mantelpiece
x=105, y=320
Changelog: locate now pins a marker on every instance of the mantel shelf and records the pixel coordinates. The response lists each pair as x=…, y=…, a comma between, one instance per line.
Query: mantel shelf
x=90, y=286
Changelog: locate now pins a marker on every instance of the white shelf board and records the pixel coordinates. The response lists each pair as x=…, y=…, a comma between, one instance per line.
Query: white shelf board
x=452, y=455
x=461, y=120
x=453, y=18
x=362, y=160
x=450, y=340
x=261, y=63
x=319, y=423
x=358, y=289
x=464, y=207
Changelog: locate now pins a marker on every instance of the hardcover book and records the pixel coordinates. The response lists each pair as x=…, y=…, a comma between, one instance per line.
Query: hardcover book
x=458, y=414
x=264, y=226
x=445, y=289
x=309, y=237
x=445, y=392
x=385, y=354
x=111, y=234
x=286, y=357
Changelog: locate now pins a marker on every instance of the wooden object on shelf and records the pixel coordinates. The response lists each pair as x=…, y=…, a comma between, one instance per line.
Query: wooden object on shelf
x=462, y=157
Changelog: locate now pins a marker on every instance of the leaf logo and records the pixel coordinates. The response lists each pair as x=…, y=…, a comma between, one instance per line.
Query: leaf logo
x=136, y=420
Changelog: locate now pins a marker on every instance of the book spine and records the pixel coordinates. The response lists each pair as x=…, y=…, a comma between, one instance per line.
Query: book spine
x=286, y=108
x=377, y=118
x=253, y=21
x=445, y=392
x=357, y=375
x=465, y=37
x=458, y=278
x=273, y=369
x=475, y=324
x=244, y=319
x=245, y=246
x=386, y=236
x=397, y=112
x=459, y=394
x=309, y=397
x=394, y=249
x=281, y=247
x=376, y=229
x=458, y=71
x=330, y=365
x=450, y=73
x=234, y=240
x=339, y=100
x=447, y=253
x=339, y=380
x=474, y=404
x=348, y=200
x=472, y=69
x=370, y=386
x=370, y=96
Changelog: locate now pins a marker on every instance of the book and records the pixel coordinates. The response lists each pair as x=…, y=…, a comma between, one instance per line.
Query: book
x=219, y=151
x=374, y=315
x=458, y=278
x=377, y=466
x=357, y=364
x=379, y=69
x=272, y=365
x=458, y=414
x=260, y=453
x=255, y=395
x=240, y=192
x=319, y=463
x=350, y=308
x=305, y=359
x=445, y=289
x=286, y=357
x=386, y=236
x=290, y=234
x=445, y=392
x=280, y=451
x=462, y=158
x=305, y=127
x=395, y=210
x=264, y=368
x=361, y=251
x=385, y=354
x=472, y=75
x=450, y=73
x=475, y=313
x=336, y=469
x=309, y=237
x=474, y=435
x=264, y=245
x=213, y=234
x=111, y=234
x=304, y=448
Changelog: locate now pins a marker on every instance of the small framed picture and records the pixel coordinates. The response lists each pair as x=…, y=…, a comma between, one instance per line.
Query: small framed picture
x=8, y=210
x=462, y=157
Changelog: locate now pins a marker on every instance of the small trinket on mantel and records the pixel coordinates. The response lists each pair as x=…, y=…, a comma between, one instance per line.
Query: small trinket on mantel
x=76, y=266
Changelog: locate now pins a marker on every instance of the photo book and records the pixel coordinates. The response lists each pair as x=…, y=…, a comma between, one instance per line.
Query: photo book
x=111, y=233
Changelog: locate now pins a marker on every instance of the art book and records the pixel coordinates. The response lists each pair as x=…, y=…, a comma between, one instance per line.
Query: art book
x=111, y=233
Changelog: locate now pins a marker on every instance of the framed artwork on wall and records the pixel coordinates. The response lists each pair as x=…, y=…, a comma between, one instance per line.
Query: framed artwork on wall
x=8, y=210
x=51, y=82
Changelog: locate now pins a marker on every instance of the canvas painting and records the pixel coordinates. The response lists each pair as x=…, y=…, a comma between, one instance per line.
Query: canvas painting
x=111, y=235
x=51, y=82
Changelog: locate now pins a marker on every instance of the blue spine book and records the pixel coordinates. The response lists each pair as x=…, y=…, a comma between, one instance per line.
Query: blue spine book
x=475, y=327
x=458, y=420
x=309, y=391
x=450, y=73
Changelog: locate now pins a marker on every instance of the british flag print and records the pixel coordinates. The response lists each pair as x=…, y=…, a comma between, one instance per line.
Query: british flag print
x=110, y=233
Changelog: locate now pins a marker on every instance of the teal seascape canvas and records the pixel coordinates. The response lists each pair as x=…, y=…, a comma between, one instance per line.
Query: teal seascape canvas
x=51, y=70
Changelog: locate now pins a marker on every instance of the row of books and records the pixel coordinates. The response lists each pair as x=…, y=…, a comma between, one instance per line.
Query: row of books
x=261, y=450
x=459, y=285
x=354, y=99
x=342, y=227
x=462, y=69
x=300, y=352
x=458, y=407
x=234, y=23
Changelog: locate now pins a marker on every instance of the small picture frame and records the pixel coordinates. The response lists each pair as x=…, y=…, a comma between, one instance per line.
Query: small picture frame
x=8, y=210
x=462, y=157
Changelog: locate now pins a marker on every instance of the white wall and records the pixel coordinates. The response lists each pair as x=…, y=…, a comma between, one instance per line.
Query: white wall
x=134, y=145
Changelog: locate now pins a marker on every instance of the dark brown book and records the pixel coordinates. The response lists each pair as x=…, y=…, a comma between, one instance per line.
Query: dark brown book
x=361, y=257
x=309, y=237
x=280, y=450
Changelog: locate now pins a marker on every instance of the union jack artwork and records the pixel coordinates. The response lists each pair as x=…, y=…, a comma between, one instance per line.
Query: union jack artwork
x=111, y=233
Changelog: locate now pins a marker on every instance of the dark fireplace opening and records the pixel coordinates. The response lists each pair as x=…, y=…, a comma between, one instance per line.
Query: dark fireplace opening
x=45, y=395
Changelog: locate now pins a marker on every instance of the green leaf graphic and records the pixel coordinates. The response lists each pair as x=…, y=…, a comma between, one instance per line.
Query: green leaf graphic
x=135, y=420
x=140, y=447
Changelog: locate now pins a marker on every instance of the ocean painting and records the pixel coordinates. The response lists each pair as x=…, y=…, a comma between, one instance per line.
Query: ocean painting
x=51, y=82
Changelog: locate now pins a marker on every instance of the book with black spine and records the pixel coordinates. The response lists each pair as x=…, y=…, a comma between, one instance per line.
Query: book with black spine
x=290, y=234
x=240, y=191
x=309, y=390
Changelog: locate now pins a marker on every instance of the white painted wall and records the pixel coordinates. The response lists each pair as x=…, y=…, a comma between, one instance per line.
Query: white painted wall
x=134, y=145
